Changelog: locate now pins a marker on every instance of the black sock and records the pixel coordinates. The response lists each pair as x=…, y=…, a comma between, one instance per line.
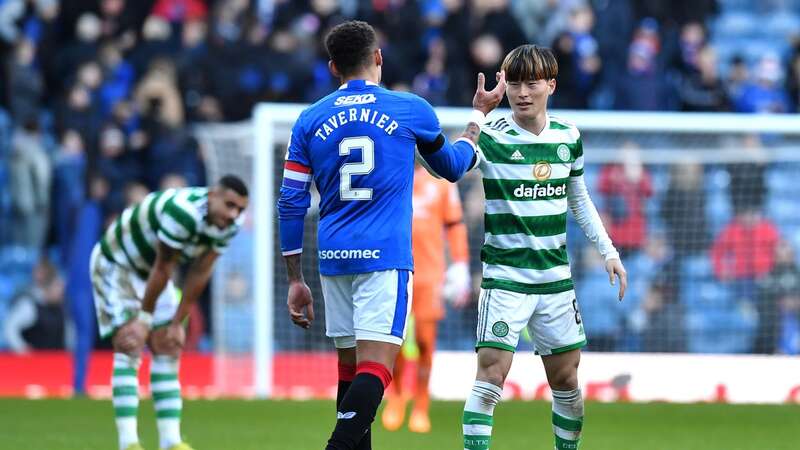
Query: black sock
x=366, y=441
x=363, y=397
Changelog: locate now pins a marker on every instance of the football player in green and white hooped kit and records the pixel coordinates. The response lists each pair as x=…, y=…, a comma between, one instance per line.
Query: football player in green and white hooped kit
x=136, y=302
x=532, y=166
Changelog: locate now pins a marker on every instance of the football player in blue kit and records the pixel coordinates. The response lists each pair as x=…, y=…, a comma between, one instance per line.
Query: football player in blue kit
x=358, y=146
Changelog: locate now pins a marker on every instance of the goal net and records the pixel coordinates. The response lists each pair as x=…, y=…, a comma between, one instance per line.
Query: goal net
x=703, y=207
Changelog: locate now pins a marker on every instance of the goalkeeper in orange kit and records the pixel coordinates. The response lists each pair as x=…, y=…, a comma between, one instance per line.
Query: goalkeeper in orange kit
x=437, y=213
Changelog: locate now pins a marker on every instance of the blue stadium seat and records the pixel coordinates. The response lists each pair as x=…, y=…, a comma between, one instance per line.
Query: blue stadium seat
x=779, y=24
x=735, y=24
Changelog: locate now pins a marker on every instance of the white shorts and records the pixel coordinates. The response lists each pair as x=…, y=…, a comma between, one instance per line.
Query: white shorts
x=370, y=306
x=553, y=320
x=118, y=294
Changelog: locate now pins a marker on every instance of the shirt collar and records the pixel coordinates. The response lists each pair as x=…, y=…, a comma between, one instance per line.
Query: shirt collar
x=357, y=84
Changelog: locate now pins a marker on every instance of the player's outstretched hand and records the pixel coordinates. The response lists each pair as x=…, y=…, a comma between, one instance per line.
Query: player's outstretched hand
x=486, y=101
x=130, y=337
x=614, y=268
x=301, y=304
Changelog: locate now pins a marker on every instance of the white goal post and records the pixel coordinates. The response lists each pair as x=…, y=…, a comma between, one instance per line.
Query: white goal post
x=269, y=131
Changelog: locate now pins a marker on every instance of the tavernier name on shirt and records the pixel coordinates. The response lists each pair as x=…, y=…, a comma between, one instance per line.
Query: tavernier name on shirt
x=364, y=115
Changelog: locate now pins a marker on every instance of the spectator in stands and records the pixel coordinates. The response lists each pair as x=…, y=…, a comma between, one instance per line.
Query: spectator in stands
x=543, y=21
x=69, y=175
x=173, y=181
x=765, y=93
x=89, y=224
x=683, y=210
x=643, y=87
x=738, y=75
x=30, y=180
x=779, y=305
x=36, y=319
x=432, y=82
x=625, y=188
x=700, y=88
x=180, y=11
x=118, y=165
x=662, y=327
x=134, y=192
x=691, y=41
x=744, y=252
x=577, y=52
x=25, y=82
x=748, y=186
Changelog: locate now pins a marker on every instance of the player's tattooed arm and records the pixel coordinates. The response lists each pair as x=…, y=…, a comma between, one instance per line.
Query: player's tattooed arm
x=294, y=268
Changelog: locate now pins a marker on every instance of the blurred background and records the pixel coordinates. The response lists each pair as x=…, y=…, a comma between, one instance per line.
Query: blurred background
x=103, y=101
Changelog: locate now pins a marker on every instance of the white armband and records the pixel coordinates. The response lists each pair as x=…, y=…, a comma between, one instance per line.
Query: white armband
x=145, y=317
x=477, y=117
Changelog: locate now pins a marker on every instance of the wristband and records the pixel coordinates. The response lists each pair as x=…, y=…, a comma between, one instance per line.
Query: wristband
x=477, y=117
x=145, y=317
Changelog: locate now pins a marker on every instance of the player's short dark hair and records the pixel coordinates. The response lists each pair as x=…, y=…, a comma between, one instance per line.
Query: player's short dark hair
x=235, y=184
x=350, y=45
x=530, y=62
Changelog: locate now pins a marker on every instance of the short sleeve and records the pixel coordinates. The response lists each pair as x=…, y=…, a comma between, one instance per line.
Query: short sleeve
x=177, y=224
x=297, y=168
x=425, y=124
x=298, y=145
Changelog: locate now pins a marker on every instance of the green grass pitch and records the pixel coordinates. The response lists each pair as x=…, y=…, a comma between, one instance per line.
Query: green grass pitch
x=305, y=425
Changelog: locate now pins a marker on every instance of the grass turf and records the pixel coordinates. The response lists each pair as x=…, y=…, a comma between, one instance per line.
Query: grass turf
x=286, y=425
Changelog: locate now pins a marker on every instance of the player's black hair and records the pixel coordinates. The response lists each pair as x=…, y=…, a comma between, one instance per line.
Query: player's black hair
x=235, y=184
x=530, y=62
x=350, y=45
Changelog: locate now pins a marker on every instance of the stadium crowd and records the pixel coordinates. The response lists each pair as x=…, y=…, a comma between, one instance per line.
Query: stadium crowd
x=98, y=99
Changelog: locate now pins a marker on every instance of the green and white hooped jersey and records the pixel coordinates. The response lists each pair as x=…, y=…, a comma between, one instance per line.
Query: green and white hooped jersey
x=525, y=180
x=176, y=217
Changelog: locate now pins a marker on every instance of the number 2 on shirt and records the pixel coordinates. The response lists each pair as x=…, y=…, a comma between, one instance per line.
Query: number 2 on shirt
x=365, y=166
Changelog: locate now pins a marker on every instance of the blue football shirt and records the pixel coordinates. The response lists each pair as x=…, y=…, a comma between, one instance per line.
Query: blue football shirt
x=357, y=145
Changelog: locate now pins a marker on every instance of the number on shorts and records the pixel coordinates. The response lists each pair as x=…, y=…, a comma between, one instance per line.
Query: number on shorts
x=365, y=166
x=578, y=319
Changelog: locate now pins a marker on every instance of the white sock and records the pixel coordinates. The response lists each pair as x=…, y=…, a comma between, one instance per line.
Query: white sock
x=166, y=390
x=567, y=418
x=125, y=385
x=478, y=415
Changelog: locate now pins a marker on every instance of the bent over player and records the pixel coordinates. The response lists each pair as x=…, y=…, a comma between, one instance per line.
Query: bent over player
x=532, y=166
x=357, y=145
x=131, y=270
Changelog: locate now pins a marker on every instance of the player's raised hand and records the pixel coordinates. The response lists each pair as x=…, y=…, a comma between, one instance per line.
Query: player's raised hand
x=301, y=304
x=486, y=101
x=614, y=268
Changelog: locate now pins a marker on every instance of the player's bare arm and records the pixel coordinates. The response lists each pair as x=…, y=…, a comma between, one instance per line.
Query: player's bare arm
x=131, y=337
x=299, y=301
x=170, y=340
